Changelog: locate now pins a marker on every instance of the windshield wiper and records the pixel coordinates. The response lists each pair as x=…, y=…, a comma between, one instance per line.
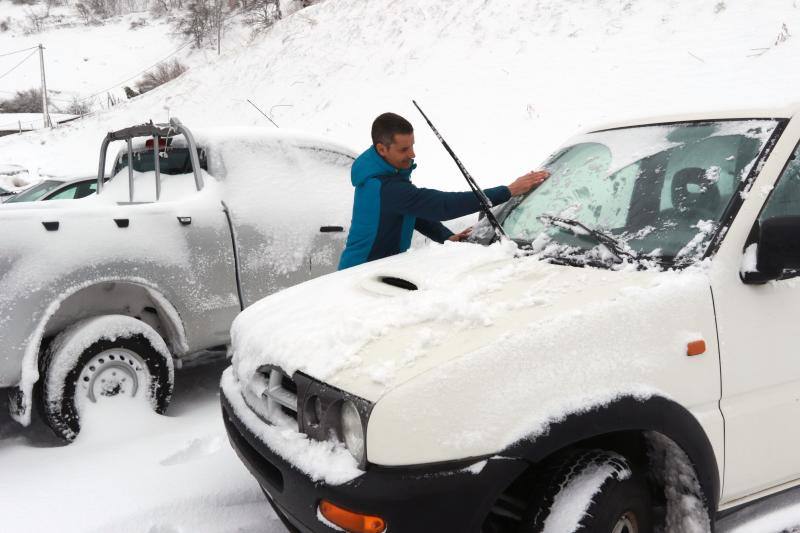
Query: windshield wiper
x=612, y=244
x=483, y=201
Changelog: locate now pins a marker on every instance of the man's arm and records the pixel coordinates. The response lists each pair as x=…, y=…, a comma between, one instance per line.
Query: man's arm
x=404, y=197
x=435, y=231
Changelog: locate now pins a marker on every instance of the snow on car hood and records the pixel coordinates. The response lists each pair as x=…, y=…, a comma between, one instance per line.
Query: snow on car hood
x=359, y=333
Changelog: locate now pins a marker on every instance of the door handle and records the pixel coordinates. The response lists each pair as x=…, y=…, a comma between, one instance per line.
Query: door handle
x=185, y=221
x=331, y=229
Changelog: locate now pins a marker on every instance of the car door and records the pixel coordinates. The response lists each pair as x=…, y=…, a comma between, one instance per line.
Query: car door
x=759, y=344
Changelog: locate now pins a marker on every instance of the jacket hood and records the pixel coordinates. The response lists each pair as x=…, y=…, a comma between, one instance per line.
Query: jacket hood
x=371, y=165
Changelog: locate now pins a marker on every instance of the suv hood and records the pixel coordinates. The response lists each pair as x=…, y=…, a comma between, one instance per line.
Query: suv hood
x=362, y=331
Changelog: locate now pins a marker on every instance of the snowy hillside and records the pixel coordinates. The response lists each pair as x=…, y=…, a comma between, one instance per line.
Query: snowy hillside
x=505, y=80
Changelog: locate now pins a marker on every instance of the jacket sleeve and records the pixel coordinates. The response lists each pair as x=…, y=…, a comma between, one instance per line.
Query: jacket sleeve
x=435, y=231
x=403, y=197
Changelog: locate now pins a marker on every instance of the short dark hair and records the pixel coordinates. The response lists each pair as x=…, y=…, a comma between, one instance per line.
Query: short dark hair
x=386, y=126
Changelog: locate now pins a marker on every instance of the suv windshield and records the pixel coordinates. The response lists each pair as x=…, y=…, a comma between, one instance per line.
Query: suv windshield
x=648, y=191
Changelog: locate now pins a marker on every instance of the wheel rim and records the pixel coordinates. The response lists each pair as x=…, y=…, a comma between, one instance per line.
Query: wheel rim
x=114, y=372
x=626, y=524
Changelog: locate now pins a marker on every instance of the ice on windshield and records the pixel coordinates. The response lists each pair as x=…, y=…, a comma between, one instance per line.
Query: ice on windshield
x=659, y=190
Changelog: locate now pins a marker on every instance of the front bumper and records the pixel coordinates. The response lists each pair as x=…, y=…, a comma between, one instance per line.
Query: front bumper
x=445, y=498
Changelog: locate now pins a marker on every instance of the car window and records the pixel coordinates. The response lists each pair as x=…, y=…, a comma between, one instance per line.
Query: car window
x=36, y=192
x=67, y=193
x=75, y=191
x=785, y=198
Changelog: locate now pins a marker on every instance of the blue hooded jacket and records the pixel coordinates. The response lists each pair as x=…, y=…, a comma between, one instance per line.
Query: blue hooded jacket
x=387, y=208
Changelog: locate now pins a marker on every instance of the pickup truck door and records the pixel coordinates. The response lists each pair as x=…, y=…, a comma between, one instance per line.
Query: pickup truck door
x=290, y=208
x=759, y=348
x=190, y=253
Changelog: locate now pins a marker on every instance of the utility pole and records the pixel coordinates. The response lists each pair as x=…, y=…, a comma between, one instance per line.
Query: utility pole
x=45, y=114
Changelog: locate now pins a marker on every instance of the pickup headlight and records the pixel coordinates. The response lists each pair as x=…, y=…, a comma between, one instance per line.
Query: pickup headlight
x=353, y=431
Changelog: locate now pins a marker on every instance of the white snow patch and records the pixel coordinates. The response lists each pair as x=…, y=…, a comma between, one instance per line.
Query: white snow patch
x=750, y=259
x=476, y=468
x=576, y=495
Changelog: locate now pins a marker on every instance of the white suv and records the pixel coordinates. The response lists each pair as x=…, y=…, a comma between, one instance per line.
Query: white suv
x=626, y=361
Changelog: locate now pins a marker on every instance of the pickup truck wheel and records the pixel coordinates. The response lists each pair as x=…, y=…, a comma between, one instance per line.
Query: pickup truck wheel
x=597, y=491
x=100, y=358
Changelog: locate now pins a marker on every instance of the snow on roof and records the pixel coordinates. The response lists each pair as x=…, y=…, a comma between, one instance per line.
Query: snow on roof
x=730, y=113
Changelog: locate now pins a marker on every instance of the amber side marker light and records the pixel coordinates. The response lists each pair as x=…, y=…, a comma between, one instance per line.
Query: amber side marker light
x=696, y=348
x=351, y=521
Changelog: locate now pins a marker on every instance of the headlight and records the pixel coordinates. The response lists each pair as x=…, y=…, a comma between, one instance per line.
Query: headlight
x=353, y=431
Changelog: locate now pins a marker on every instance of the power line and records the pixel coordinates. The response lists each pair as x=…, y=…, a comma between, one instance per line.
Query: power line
x=6, y=73
x=184, y=45
x=181, y=47
x=18, y=51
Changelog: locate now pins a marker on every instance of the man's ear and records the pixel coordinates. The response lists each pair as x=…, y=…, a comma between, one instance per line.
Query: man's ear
x=382, y=149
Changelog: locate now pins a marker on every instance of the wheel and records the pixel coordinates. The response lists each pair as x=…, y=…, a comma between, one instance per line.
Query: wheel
x=99, y=358
x=590, y=491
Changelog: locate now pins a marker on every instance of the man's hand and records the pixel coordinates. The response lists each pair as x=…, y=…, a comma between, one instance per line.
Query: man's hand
x=460, y=236
x=527, y=182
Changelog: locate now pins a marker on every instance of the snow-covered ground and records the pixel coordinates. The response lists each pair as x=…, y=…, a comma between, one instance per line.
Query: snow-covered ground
x=139, y=472
x=505, y=80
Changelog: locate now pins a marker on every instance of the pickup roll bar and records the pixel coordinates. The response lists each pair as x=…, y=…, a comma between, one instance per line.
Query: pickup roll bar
x=156, y=131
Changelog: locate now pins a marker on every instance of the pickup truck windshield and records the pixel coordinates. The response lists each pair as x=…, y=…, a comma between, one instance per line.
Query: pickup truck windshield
x=656, y=191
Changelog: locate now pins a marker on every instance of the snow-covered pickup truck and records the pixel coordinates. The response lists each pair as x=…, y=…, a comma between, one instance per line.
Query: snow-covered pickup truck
x=626, y=358
x=99, y=295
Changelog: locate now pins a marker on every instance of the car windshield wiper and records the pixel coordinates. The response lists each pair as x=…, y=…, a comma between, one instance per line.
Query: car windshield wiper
x=612, y=244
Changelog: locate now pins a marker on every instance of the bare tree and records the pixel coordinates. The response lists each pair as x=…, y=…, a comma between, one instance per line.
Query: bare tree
x=264, y=13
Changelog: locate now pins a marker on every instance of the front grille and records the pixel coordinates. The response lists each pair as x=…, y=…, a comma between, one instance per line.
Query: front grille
x=275, y=394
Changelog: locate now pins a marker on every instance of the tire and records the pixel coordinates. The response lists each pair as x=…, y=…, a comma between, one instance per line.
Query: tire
x=621, y=505
x=102, y=357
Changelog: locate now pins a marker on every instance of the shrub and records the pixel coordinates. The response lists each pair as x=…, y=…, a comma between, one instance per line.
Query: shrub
x=160, y=75
x=26, y=101
x=77, y=107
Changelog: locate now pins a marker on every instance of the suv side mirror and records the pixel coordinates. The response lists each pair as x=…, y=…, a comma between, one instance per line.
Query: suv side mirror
x=778, y=252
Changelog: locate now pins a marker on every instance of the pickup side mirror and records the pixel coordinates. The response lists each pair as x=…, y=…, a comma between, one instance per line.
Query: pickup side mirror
x=778, y=250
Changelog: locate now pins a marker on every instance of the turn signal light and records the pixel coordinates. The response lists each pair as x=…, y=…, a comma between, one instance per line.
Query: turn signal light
x=696, y=348
x=351, y=521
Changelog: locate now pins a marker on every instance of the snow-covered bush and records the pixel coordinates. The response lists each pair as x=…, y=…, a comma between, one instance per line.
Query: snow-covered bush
x=163, y=73
x=25, y=101
x=77, y=107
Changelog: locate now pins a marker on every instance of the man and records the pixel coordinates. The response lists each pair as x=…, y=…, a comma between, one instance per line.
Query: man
x=387, y=207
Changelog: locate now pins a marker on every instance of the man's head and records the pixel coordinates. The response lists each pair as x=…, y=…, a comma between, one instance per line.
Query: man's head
x=393, y=138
